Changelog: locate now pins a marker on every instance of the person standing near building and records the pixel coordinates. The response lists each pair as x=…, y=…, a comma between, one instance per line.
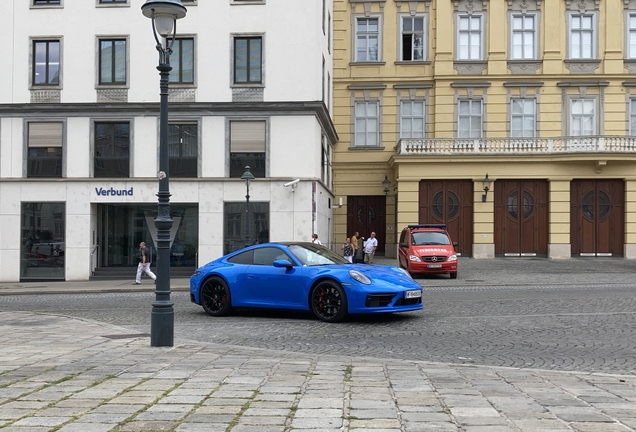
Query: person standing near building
x=314, y=239
x=144, y=264
x=354, y=243
x=370, y=247
x=347, y=249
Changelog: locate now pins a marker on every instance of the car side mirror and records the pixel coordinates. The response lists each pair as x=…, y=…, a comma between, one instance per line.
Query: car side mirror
x=282, y=263
x=403, y=245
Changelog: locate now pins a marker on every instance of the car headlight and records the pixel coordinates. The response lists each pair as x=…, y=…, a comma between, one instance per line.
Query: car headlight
x=414, y=258
x=452, y=258
x=363, y=279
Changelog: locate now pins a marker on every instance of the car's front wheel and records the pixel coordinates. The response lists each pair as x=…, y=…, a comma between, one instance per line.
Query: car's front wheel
x=329, y=302
x=215, y=297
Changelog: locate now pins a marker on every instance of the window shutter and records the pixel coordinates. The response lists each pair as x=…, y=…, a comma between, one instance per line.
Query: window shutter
x=45, y=134
x=247, y=137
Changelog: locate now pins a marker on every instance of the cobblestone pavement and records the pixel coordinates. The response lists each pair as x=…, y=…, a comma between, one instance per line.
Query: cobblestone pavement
x=82, y=361
x=66, y=375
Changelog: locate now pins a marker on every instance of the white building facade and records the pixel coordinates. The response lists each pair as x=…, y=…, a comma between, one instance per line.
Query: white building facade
x=79, y=131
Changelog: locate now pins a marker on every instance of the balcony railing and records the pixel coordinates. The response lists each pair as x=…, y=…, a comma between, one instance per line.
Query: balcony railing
x=507, y=146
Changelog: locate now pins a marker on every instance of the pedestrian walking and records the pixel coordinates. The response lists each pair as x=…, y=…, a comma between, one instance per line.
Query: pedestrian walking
x=354, y=243
x=314, y=239
x=144, y=264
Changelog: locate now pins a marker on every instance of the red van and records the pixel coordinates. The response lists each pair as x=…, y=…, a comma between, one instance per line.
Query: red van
x=427, y=249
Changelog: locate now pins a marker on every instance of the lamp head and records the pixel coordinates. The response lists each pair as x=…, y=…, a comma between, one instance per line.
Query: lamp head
x=164, y=13
x=386, y=183
x=487, y=183
x=247, y=175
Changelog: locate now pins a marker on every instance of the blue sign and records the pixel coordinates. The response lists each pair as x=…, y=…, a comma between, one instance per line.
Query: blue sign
x=113, y=192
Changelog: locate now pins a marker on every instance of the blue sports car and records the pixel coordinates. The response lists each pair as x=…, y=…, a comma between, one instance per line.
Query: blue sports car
x=302, y=276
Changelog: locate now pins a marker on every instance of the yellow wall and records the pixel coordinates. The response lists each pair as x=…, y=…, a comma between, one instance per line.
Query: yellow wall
x=360, y=171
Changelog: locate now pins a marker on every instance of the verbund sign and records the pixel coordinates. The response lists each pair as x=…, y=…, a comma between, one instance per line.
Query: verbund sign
x=114, y=192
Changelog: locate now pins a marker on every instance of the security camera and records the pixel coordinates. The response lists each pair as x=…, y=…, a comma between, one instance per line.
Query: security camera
x=292, y=183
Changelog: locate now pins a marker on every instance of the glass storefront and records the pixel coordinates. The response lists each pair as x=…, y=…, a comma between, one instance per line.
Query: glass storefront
x=42, y=229
x=122, y=227
x=234, y=231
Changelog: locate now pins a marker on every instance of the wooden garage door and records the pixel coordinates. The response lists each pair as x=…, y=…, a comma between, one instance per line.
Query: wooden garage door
x=449, y=202
x=521, y=218
x=597, y=217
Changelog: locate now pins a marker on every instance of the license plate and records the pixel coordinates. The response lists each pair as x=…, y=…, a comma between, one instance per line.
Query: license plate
x=434, y=266
x=413, y=294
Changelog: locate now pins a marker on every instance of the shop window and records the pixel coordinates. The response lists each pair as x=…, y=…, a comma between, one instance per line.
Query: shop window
x=183, y=147
x=44, y=158
x=235, y=234
x=112, y=147
x=43, y=241
x=247, y=148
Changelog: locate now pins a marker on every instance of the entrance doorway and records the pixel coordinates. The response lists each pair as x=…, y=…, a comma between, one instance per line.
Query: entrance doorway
x=367, y=214
x=597, y=217
x=521, y=218
x=121, y=227
x=449, y=202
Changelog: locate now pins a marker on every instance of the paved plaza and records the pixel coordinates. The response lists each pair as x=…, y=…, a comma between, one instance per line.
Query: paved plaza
x=63, y=373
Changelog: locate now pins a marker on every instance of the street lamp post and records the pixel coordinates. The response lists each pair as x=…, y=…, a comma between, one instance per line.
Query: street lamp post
x=164, y=15
x=247, y=176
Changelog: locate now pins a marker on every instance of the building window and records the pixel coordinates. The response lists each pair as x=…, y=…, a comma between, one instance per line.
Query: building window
x=112, y=150
x=182, y=61
x=44, y=149
x=470, y=119
x=247, y=148
x=46, y=62
x=469, y=37
x=631, y=36
x=183, y=146
x=112, y=61
x=582, y=117
x=43, y=241
x=46, y=2
x=325, y=162
x=523, y=37
x=248, y=60
x=367, y=121
x=413, y=37
x=412, y=119
x=632, y=117
x=582, y=44
x=329, y=34
x=234, y=233
x=522, y=118
x=367, y=39
x=112, y=1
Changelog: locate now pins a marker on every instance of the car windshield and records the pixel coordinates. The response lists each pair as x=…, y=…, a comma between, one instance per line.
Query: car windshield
x=315, y=255
x=430, y=238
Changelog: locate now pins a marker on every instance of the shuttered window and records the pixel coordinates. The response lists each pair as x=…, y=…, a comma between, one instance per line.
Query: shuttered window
x=247, y=147
x=44, y=158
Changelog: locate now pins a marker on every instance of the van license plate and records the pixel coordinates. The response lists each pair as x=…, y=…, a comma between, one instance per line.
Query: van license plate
x=434, y=266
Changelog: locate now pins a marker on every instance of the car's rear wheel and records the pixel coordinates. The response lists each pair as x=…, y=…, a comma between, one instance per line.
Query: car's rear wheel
x=215, y=297
x=453, y=275
x=329, y=302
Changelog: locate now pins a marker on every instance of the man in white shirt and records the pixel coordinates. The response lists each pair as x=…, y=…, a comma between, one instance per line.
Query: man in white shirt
x=314, y=239
x=370, y=247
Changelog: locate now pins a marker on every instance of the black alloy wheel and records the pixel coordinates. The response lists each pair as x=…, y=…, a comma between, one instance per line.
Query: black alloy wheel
x=215, y=297
x=329, y=302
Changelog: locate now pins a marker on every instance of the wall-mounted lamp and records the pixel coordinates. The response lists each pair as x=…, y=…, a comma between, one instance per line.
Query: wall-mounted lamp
x=486, y=182
x=386, y=183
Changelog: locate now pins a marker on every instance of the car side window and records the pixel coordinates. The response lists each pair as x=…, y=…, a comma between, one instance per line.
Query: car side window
x=242, y=258
x=403, y=237
x=267, y=256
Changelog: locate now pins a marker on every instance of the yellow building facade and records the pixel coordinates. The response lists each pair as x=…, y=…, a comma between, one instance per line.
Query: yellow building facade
x=437, y=101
